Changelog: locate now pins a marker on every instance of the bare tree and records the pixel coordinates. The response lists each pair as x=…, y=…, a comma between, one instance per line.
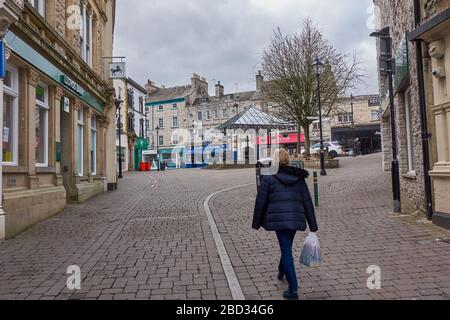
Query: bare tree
x=291, y=77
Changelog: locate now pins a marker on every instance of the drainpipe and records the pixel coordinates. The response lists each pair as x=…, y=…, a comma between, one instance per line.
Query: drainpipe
x=423, y=116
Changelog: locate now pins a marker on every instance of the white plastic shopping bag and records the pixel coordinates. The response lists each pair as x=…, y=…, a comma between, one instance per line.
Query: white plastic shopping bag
x=311, y=255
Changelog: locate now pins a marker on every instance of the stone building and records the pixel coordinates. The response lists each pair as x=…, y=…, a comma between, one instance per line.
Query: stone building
x=59, y=113
x=187, y=116
x=365, y=118
x=432, y=35
x=421, y=102
x=135, y=122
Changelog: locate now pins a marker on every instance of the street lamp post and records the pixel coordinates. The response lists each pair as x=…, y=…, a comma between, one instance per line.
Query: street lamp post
x=119, y=103
x=319, y=65
x=157, y=147
x=389, y=61
x=352, y=98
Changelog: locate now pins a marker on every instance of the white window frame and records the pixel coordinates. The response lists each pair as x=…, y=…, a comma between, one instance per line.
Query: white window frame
x=161, y=143
x=174, y=139
x=161, y=123
x=40, y=8
x=409, y=137
x=45, y=106
x=225, y=114
x=174, y=122
x=80, y=144
x=208, y=115
x=199, y=116
x=216, y=114
x=13, y=92
x=94, y=142
x=86, y=35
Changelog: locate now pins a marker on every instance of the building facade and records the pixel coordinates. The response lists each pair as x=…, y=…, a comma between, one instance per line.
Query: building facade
x=360, y=122
x=420, y=36
x=186, y=117
x=58, y=126
x=135, y=123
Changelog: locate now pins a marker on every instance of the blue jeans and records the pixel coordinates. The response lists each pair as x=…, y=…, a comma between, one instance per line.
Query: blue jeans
x=287, y=266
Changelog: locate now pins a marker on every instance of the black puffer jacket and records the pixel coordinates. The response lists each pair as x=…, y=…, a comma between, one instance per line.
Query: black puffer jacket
x=284, y=202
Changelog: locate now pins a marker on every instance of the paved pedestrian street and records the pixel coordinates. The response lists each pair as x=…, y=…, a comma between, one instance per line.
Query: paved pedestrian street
x=152, y=239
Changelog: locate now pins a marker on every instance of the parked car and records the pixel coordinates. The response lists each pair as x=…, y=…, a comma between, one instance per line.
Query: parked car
x=334, y=149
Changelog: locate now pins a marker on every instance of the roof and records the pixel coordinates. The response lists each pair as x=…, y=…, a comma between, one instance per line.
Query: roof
x=167, y=94
x=235, y=97
x=252, y=118
x=136, y=85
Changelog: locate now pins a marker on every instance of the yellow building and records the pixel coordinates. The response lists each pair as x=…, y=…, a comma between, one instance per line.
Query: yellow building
x=58, y=111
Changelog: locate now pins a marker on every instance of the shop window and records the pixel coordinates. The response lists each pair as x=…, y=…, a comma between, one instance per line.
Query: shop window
x=86, y=35
x=10, y=117
x=409, y=133
x=39, y=5
x=93, y=153
x=41, y=125
x=80, y=143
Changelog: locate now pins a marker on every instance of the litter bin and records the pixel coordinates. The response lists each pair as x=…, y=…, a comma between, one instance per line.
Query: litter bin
x=148, y=166
x=142, y=166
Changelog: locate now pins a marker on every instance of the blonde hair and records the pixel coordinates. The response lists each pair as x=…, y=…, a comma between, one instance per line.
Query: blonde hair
x=282, y=158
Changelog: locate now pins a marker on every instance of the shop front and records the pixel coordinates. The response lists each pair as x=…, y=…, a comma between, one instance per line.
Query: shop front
x=54, y=138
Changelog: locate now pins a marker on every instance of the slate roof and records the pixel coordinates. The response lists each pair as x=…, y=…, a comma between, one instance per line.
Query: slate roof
x=165, y=94
x=233, y=97
x=253, y=118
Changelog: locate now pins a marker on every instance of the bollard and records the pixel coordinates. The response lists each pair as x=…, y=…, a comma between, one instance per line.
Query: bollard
x=316, y=189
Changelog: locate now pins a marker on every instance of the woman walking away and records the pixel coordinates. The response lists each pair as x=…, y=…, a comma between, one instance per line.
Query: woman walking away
x=284, y=205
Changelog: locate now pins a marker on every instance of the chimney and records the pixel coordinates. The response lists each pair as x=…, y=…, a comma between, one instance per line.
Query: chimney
x=151, y=87
x=219, y=90
x=259, y=81
x=200, y=85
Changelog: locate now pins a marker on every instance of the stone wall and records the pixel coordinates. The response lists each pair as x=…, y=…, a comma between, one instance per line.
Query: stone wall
x=399, y=15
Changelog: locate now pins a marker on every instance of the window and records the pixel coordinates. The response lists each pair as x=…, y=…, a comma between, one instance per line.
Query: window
x=131, y=127
x=86, y=35
x=216, y=114
x=10, y=117
x=141, y=105
x=208, y=115
x=175, y=106
x=41, y=125
x=80, y=144
x=316, y=126
x=199, y=115
x=161, y=123
x=161, y=108
x=409, y=133
x=39, y=5
x=345, y=118
x=93, y=146
x=175, y=122
x=225, y=113
x=174, y=139
x=161, y=140
x=375, y=115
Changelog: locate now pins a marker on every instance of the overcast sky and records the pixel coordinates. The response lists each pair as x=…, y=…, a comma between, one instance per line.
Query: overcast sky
x=168, y=40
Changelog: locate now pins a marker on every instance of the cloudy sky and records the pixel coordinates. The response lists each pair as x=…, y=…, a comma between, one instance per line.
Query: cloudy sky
x=168, y=40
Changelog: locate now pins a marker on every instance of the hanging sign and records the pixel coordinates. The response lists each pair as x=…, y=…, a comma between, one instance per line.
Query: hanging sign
x=117, y=70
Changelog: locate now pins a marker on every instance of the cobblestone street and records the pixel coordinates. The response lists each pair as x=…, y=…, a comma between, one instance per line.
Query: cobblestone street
x=152, y=240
